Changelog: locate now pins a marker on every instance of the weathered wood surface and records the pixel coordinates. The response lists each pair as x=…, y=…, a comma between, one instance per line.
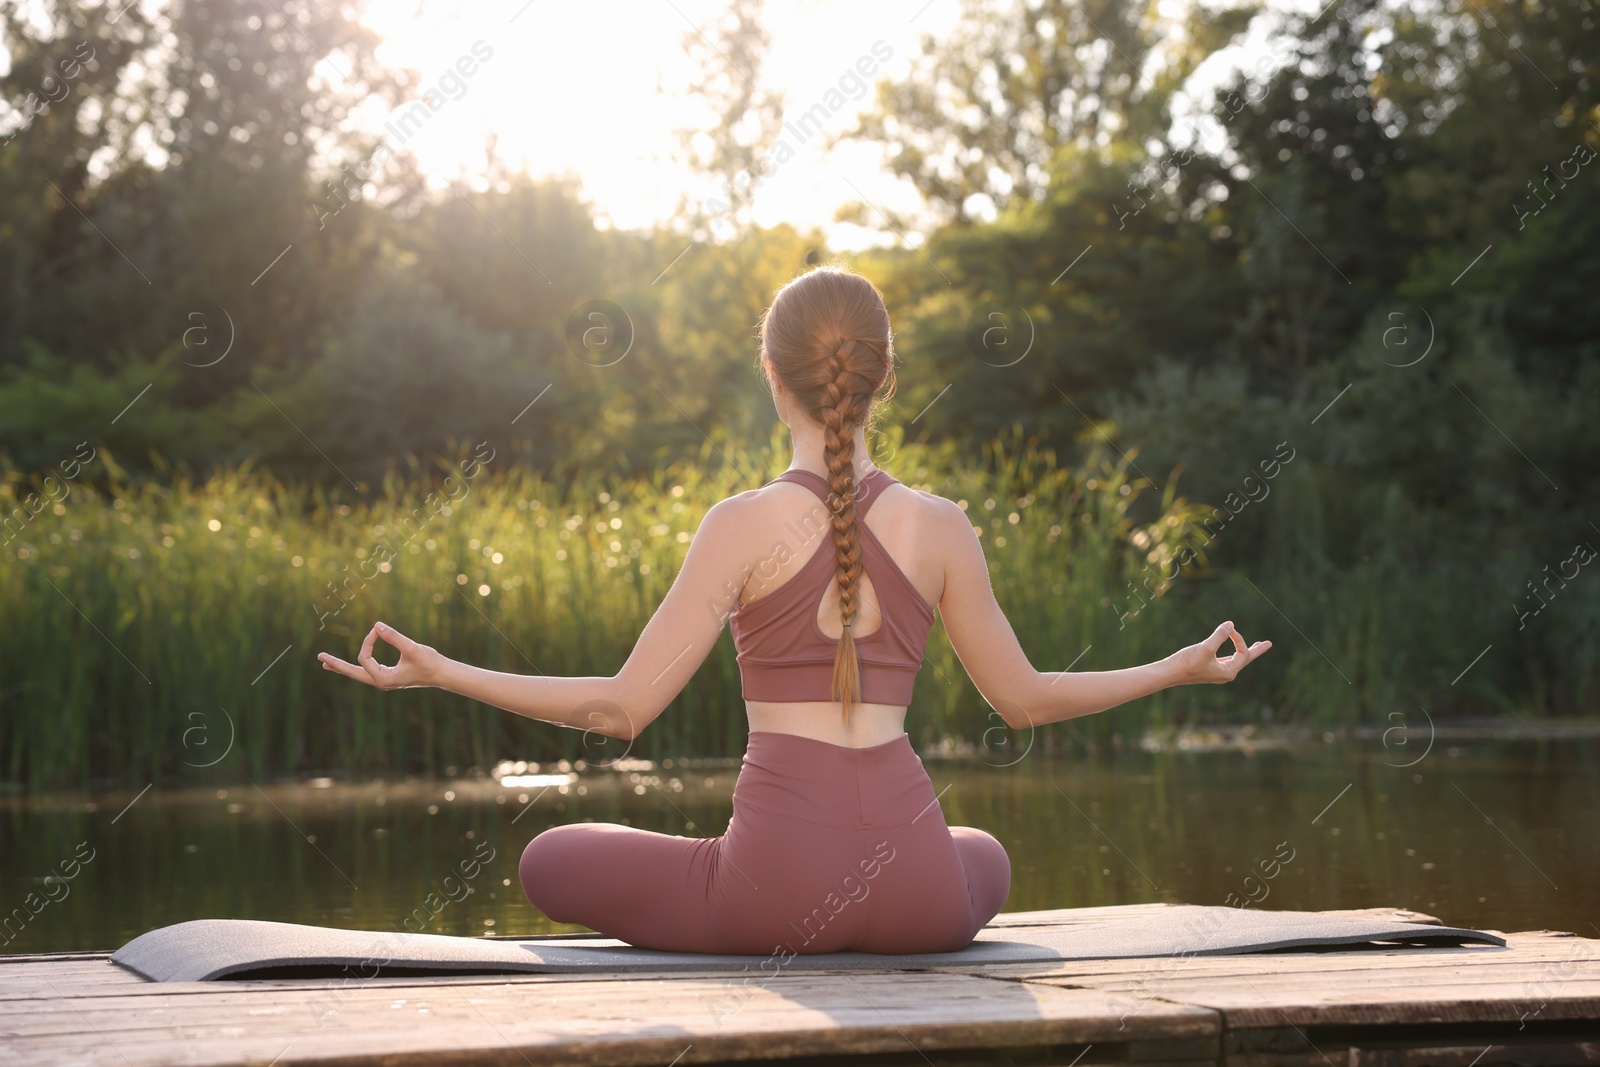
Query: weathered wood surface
x=1535, y=1001
x=635, y=1021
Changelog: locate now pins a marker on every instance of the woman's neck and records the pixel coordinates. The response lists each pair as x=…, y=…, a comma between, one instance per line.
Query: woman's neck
x=810, y=453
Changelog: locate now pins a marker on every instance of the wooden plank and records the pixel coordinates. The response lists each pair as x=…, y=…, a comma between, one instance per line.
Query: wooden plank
x=1488, y=1002
x=104, y=980
x=112, y=980
x=1525, y=990
x=1475, y=1055
x=592, y=1023
x=1552, y=977
x=1398, y=975
x=48, y=1014
x=1522, y=946
x=28, y=973
x=1445, y=1047
x=1395, y=972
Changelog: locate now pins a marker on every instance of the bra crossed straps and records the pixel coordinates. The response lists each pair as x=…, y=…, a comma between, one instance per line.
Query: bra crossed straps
x=783, y=654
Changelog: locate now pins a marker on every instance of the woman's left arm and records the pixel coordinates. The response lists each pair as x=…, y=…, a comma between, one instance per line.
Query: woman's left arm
x=674, y=643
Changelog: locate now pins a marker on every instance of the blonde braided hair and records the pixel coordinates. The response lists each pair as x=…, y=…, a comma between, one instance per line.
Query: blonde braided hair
x=826, y=337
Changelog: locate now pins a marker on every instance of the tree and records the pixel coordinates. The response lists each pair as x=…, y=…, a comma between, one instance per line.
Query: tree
x=734, y=149
x=988, y=108
x=180, y=168
x=1311, y=165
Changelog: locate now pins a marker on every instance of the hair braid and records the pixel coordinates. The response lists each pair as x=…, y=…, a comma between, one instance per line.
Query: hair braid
x=844, y=399
x=827, y=338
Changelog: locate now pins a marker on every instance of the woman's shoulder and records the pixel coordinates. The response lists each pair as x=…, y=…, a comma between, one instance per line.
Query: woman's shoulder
x=922, y=519
x=933, y=506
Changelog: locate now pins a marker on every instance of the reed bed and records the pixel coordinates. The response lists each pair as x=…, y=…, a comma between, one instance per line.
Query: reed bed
x=167, y=631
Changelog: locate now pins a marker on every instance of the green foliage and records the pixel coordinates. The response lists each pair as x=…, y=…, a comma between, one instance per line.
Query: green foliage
x=139, y=609
x=136, y=605
x=989, y=107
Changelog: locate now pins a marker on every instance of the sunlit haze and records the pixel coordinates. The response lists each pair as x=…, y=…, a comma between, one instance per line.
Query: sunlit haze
x=600, y=89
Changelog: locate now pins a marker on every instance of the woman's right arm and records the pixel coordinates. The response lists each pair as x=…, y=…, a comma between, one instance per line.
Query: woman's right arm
x=676, y=640
x=988, y=648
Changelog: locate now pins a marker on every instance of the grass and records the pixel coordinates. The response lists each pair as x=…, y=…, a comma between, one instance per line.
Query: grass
x=167, y=631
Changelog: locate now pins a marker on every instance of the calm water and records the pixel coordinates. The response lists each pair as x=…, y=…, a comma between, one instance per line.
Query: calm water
x=1495, y=834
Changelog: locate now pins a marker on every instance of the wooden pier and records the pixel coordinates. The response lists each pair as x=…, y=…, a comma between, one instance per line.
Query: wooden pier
x=1535, y=1001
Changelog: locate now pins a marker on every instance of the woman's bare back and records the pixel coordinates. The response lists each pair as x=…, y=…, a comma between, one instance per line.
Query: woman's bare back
x=906, y=522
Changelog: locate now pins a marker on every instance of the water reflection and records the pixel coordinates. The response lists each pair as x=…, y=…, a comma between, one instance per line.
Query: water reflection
x=1494, y=834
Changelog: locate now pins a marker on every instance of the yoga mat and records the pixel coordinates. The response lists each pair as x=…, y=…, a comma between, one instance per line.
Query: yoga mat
x=208, y=949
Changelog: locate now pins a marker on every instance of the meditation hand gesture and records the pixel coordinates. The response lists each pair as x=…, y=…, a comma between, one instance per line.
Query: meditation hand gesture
x=417, y=667
x=1200, y=663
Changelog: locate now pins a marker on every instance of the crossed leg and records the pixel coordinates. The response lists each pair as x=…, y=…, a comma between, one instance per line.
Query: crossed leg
x=988, y=872
x=649, y=889
x=684, y=894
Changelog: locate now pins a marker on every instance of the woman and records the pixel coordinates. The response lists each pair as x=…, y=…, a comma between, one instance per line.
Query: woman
x=828, y=576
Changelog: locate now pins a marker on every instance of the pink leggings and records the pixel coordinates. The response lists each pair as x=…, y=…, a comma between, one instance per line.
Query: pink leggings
x=829, y=849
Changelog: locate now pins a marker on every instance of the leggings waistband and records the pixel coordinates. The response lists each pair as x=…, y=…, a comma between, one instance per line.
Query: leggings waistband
x=834, y=785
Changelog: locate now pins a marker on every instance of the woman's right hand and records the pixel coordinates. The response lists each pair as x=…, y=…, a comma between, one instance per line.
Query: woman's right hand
x=1200, y=663
x=418, y=667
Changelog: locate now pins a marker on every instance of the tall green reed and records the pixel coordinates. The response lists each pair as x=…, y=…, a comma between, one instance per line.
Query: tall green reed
x=160, y=632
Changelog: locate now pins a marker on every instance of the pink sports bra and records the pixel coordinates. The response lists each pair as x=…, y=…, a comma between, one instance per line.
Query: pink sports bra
x=784, y=655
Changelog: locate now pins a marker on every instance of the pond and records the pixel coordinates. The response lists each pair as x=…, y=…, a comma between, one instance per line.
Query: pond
x=1480, y=831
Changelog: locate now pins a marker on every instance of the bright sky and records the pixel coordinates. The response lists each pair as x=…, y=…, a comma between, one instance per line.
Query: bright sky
x=598, y=88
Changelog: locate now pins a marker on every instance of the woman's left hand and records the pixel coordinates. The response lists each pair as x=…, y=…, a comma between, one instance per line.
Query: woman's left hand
x=1199, y=662
x=418, y=667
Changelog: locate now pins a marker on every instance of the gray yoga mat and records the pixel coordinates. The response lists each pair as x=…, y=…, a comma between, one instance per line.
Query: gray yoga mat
x=207, y=949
